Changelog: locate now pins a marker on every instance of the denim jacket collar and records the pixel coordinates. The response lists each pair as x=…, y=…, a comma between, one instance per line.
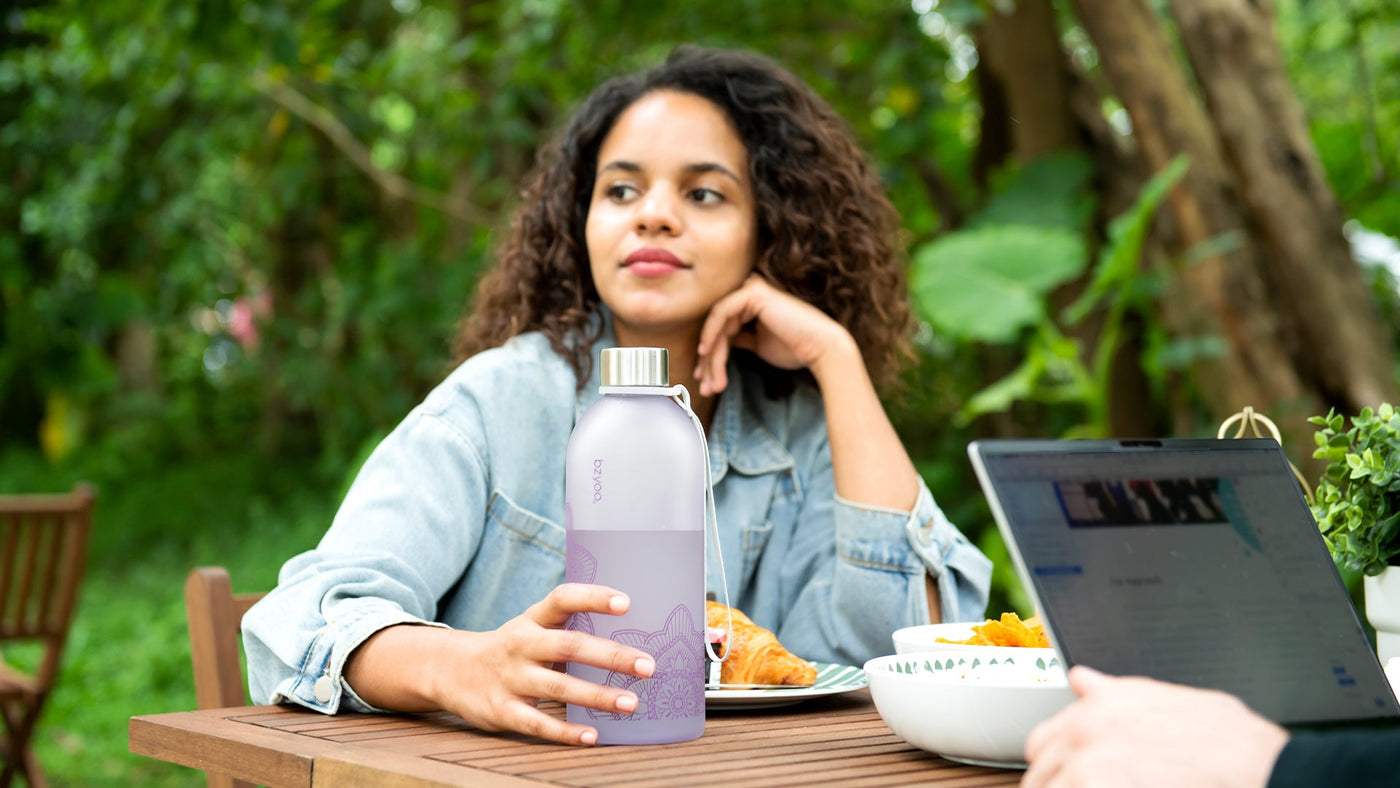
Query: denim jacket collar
x=738, y=437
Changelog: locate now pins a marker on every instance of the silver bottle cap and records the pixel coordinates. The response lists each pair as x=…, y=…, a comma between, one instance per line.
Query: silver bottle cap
x=635, y=366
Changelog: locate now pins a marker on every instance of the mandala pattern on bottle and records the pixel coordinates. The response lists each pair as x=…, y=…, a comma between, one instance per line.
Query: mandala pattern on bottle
x=582, y=567
x=676, y=689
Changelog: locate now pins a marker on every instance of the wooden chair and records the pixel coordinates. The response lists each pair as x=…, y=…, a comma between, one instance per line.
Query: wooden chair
x=43, y=551
x=215, y=614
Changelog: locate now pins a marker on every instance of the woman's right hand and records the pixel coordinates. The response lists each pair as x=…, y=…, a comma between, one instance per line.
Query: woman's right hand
x=494, y=680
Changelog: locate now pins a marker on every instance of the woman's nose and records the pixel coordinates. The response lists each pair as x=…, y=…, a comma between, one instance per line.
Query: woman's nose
x=657, y=211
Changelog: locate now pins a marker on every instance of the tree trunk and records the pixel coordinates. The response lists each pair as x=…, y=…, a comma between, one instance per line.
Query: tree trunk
x=1025, y=114
x=1020, y=50
x=1224, y=294
x=1033, y=104
x=138, y=357
x=1334, y=335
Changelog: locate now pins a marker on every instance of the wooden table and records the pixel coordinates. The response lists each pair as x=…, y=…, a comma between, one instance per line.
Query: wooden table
x=832, y=740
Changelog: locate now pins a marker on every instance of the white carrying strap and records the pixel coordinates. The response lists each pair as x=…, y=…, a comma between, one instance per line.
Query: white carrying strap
x=681, y=396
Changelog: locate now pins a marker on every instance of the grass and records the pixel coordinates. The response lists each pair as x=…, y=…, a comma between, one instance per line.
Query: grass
x=128, y=650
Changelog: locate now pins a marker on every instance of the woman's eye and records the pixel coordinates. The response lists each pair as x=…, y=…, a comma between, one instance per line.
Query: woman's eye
x=620, y=191
x=706, y=196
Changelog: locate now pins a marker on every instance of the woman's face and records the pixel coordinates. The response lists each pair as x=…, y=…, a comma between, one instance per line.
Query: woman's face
x=670, y=228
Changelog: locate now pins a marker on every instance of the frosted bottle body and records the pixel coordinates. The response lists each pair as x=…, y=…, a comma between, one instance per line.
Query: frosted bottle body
x=635, y=498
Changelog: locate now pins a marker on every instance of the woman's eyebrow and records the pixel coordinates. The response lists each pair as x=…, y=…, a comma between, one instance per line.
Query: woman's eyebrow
x=625, y=166
x=696, y=169
x=690, y=169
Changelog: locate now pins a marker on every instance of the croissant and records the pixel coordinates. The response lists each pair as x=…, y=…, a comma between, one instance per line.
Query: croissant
x=754, y=655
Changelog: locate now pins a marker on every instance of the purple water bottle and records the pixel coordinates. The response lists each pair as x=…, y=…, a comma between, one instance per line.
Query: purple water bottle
x=634, y=487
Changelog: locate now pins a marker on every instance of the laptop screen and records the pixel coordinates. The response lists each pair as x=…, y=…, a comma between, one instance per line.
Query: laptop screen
x=1191, y=561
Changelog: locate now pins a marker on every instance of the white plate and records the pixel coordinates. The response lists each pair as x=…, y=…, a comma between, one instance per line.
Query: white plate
x=831, y=680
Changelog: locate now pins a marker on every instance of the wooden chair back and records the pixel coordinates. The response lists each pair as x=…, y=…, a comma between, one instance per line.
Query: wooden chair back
x=215, y=616
x=43, y=552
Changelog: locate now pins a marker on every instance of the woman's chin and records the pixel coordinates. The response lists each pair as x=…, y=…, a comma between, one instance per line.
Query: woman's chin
x=655, y=317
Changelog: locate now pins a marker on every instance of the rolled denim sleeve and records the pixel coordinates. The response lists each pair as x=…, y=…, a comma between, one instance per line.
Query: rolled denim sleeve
x=403, y=536
x=850, y=604
x=878, y=547
x=963, y=574
x=274, y=633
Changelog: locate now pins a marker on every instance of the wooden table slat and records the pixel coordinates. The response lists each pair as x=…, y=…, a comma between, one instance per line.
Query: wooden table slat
x=369, y=769
x=397, y=729
x=511, y=747
x=277, y=716
x=815, y=767
x=541, y=760
x=836, y=740
x=426, y=744
x=208, y=743
x=336, y=725
x=774, y=746
x=948, y=778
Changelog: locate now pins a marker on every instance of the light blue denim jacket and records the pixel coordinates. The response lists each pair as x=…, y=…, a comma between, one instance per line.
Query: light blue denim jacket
x=457, y=518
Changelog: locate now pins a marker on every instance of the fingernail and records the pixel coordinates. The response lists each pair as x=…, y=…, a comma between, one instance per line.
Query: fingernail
x=644, y=667
x=618, y=604
x=589, y=737
x=627, y=703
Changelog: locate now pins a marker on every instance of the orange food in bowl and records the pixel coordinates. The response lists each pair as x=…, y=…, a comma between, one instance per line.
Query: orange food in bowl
x=1009, y=631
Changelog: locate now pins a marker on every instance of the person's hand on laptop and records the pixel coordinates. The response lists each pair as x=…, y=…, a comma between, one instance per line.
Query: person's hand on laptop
x=1137, y=731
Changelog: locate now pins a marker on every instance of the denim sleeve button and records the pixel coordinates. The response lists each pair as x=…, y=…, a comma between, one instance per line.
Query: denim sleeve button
x=324, y=689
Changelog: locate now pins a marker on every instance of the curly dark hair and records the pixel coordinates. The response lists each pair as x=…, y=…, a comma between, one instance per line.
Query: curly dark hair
x=826, y=232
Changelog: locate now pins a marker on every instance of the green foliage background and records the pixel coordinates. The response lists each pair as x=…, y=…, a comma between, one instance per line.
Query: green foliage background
x=166, y=164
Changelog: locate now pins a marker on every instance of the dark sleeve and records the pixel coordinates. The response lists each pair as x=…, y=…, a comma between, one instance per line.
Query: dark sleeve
x=1356, y=759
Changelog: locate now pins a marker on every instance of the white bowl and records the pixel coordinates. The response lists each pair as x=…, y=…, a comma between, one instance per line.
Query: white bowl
x=910, y=640
x=913, y=640
x=966, y=707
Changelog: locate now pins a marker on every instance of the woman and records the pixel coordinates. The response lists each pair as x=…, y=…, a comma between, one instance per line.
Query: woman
x=710, y=204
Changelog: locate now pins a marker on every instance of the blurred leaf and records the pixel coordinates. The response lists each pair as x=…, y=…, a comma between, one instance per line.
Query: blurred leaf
x=57, y=431
x=989, y=283
x=1118, y=261
x=1019, y=385
x=1051, y=191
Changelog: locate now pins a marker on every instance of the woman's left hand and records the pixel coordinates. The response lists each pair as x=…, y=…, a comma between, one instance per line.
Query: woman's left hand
x=780, y=328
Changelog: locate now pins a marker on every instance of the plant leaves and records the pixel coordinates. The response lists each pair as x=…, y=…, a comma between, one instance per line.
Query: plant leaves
x=1357, y=502
x=1049, y=191
x=1019, y=384
x=989, y=283
x=1118, y=261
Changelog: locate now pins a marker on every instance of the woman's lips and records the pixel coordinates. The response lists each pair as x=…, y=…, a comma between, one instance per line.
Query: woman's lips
x=648, y=268
x=652, y=262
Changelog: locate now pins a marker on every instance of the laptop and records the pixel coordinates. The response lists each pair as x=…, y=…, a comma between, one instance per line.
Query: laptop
x=1191, y=561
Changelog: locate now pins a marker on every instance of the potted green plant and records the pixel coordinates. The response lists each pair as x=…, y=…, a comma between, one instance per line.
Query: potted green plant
x=1357, y=507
